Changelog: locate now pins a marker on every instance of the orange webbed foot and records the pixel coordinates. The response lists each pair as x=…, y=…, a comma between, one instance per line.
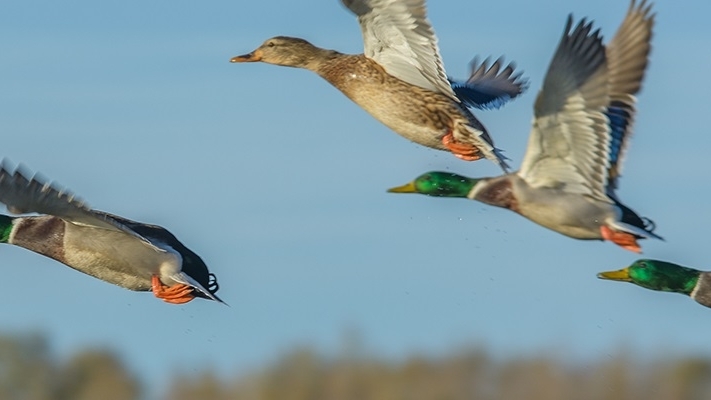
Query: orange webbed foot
x=176, y=294
x=625, y=240
x=466, y=152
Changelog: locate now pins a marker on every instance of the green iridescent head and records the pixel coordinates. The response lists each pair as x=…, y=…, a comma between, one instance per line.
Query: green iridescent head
x=439, y=184
x=5, y=228
x=656, y=275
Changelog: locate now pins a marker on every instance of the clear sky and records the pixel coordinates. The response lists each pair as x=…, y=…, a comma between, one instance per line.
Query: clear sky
x=278, y=181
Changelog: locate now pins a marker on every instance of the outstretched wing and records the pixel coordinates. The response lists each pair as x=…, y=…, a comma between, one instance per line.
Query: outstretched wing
x=569, y=141
x=627, y=58
x=23, y=193
x=490, y=86
x=398, y=36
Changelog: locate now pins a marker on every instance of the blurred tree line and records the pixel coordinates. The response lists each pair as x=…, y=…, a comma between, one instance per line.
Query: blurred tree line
x=29, y=372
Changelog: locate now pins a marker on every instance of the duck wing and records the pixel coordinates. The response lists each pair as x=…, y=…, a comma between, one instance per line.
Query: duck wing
x=627, y=58
x=490, y=86
x=22, y=192
x=398, y=36
x=568, y=144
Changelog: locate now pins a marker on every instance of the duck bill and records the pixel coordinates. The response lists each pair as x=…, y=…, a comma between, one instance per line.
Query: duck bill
x=254, y=56
x=408, y=188
x=622, y=275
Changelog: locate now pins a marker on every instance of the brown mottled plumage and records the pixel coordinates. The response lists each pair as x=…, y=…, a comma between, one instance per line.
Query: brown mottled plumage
x=400, y=79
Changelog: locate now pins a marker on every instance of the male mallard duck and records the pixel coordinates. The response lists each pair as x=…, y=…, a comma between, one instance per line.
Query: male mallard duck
x=400, y=80
x=665, y=277
x=583, y=123
x=126, y=253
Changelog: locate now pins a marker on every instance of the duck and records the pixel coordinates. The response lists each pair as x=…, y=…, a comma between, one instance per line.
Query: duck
x=400, y=78
x=665, y=277
x=582, y=125
x=130, y=254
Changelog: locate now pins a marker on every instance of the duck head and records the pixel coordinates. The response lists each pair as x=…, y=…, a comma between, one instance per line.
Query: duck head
x=438, y=184
x=656, y=275
x=283, y=50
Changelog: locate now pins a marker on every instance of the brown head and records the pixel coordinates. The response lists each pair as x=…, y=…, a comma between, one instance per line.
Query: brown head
x=286, y=51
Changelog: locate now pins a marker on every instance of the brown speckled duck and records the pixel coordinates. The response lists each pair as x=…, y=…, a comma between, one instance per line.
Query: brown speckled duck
x=400, y=79
x=129, y=254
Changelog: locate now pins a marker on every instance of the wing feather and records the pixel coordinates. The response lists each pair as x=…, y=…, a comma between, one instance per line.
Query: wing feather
x=490, y=86
x=569, y=139
x=24, y=193
x=627, y=59
x=398, y=36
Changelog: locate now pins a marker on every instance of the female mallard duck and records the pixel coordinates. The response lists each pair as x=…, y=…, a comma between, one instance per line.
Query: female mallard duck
x=126, y=253
x=582, y=126
x=400, y=80
x=665, y=277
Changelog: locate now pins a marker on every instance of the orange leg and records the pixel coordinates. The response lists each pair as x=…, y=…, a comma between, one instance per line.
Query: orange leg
x=625, y=240
x=176, y=294
x=466, y=152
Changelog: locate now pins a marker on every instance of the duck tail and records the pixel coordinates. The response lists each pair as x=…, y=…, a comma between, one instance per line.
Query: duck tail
x=199, y=289
x=501, y=160
x=641, y=227
x=649, y=226
x=212, y=284
x=213, y=287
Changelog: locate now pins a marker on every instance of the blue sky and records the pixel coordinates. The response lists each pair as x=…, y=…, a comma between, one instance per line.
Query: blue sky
x=278, y=181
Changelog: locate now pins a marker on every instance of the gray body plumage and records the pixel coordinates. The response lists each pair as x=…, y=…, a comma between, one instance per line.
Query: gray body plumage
x=109, y=255
x=108, y=247
x=579, y=217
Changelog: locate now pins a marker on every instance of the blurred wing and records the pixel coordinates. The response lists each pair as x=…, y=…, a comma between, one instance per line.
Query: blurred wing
x=475, y=134
x=490, y=87
x=568, y=144
x=627, y=58
x=22, y=194
x=398, y=36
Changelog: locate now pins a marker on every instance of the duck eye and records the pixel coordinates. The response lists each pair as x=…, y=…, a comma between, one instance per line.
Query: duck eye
x=270, y=44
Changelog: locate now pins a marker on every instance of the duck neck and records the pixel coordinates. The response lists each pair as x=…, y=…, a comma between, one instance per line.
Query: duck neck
x=498, y=192
x=687, y=283
x=321, y=60
x=677, y=279
x=464, y=188
x=5, y=228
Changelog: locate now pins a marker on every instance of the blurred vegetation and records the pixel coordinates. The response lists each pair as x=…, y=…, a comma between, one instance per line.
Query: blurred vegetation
x=28, y=371
x=469, y=375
